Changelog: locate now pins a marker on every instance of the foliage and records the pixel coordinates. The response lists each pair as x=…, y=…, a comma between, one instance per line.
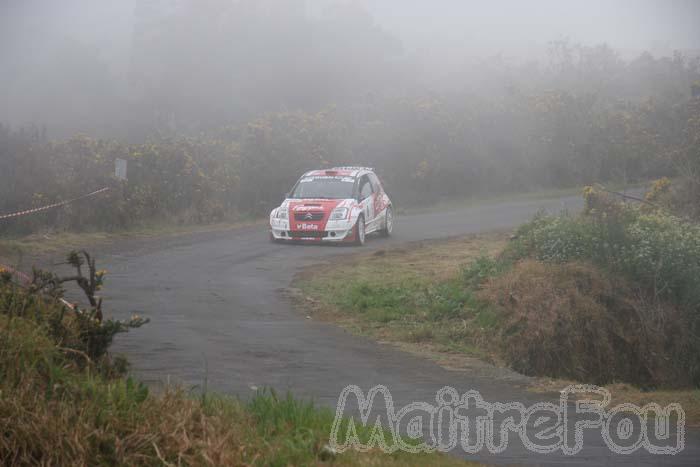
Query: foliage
x=658, y=250
x=684, y=196
x=82, y=332
x=573, y=320
x=425, y=146
x=648, y=247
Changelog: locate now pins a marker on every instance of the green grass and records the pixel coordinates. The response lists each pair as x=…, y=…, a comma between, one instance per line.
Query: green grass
x=418, y=308
x=420, y=295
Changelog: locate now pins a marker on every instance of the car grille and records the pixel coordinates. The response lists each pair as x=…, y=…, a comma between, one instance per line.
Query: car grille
x=308, y=216
x=307, y=234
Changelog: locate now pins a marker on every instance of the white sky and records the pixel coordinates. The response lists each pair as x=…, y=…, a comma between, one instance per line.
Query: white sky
x=509, y=25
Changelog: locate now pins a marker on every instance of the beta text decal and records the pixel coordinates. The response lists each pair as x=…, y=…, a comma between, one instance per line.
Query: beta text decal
x=307, y=226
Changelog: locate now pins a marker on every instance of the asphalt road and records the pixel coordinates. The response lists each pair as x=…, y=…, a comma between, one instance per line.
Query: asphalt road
x=218, y=318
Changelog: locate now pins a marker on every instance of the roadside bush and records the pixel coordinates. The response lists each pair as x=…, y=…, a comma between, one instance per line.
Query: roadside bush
x=657, y=250
x=573, y=320
x=683, y=195
x=656, y=253
x=82, y=333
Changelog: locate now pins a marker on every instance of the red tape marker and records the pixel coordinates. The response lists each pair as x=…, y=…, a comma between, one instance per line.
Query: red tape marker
x=50, y=206
x=17, y=273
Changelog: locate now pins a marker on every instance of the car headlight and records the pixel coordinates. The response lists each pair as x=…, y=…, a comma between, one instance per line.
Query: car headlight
x=339, y=214
x=282, y=213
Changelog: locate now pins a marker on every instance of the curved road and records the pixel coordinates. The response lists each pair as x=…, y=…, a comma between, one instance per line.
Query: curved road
x=218, y=317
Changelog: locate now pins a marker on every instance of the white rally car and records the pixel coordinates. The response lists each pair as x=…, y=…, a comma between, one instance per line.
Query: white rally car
x=342, y=204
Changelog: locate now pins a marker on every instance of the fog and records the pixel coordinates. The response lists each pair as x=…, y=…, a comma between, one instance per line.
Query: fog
x=516, y=26
x=130, y=68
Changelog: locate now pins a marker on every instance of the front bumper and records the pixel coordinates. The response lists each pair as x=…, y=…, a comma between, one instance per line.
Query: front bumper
x=335, y=232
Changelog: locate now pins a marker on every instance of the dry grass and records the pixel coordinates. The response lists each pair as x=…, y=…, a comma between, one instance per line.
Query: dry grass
x=621, y=393
x=170, y=428
x=565, y=320
x=573, y=320
x=689, y=399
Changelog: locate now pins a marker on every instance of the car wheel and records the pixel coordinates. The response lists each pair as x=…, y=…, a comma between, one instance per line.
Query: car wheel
x=273, y=239
x=360, y=233
x=388, y=223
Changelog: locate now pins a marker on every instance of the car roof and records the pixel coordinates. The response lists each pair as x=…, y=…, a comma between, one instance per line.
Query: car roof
x=339, y=171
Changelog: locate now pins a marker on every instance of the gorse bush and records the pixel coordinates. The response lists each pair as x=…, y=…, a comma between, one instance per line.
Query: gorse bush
x=658, y=250
x=557, y=239
x=663, y=253
x=82, y=333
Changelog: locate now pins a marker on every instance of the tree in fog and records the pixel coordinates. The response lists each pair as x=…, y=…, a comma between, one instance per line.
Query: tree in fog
x=211, y=63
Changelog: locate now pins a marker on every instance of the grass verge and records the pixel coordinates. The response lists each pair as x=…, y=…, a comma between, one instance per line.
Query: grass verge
x=410, y=295
x=429, y=298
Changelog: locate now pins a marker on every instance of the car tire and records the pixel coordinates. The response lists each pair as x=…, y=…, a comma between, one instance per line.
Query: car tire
x=273, y=239
x=388, y=223
x=360, y=232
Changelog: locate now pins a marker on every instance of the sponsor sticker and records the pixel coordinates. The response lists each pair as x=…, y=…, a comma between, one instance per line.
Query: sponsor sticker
x=307, y=227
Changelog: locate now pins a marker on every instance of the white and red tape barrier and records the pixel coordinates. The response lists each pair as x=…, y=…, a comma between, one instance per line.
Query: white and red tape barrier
x=20, y=275
x=24, y=278
x=51, y=206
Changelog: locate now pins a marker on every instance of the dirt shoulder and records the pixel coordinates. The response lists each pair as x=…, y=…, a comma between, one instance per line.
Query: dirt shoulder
x=413, y=297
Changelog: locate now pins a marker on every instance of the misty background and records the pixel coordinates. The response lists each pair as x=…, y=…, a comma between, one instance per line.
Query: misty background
x=129, y=68
x=219, y=105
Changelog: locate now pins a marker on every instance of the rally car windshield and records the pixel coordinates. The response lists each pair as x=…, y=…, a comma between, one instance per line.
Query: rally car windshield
x=328, y=187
